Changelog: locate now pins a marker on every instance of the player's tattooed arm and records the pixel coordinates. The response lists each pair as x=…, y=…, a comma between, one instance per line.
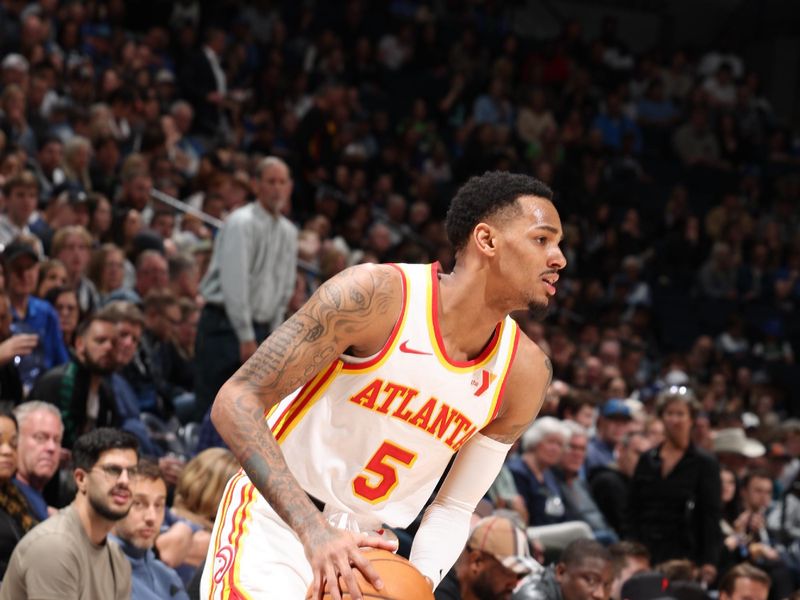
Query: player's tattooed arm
x=346, y=310
x=522, y=409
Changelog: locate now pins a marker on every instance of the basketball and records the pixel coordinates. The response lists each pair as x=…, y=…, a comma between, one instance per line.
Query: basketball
x=401, y=580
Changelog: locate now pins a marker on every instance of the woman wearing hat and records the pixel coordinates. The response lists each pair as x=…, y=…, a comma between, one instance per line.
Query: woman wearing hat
x=675, y=495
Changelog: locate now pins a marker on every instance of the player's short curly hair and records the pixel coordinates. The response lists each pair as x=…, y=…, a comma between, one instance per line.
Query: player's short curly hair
x=483, y=196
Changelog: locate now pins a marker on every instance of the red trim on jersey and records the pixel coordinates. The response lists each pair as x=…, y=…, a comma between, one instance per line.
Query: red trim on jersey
x=302, y=399
x=223, y=516
x=247, y=489
x=392, y=336
x=501, y=393
x=438, y=333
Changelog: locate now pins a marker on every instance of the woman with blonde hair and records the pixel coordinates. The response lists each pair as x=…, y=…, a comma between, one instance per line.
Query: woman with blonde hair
x=201, y=484
x=77, y=155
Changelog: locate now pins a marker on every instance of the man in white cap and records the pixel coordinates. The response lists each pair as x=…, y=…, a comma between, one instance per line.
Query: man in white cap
x=734, y=449
x=14, y=69
x=496, y=556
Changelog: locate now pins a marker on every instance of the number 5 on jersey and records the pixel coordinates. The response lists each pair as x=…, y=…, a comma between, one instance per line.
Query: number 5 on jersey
x=379, y=477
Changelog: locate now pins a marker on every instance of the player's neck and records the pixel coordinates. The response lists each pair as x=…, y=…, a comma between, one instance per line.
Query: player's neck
x=465, y=322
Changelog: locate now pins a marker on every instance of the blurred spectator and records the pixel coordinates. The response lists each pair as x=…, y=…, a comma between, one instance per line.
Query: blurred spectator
x=695, y=142
x=52, y=274
x=744, y=582
x=77, y=155
x=13, y=119
x=542, y=446
x=72, y=246
x=106, y=270
x=205, y=83
x=734, y=450
x=615, y=419
x=152, y=275
x=197, y=496
x=248, y=284
x=675, y=494
x=21, y=196
x=630, y=558
x=17, y=516
x=32, y=315
x=39, y=452
x=184, y=277
x=611, y=485
x=99, y=209
x=65, y=301
x=614, y=125
x=756, y=543
x=574, y=489
x=47, y=166
x=81, y=388
x=579, y=408
x=585, y=570
x=136, y=535
x=495, y=557
x=12, y=348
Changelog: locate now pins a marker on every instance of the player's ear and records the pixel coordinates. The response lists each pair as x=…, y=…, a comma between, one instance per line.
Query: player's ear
x=484, y=237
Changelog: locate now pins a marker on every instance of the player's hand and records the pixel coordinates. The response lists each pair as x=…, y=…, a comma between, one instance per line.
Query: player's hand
x=335, y=553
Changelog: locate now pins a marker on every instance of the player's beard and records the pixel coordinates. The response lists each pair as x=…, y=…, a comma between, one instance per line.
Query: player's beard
x=538, y=310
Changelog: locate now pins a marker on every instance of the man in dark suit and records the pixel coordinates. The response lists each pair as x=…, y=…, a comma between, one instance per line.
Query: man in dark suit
x=205, y=85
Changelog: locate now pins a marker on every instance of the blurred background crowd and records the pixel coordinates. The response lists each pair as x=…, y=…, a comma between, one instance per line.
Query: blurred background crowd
x=676, y=320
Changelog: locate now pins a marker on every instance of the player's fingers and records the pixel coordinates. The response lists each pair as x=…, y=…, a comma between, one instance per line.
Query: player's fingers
x=317, y=589
x=361, y=561
x=351, y=582
x=332, y=581
x=375, y=541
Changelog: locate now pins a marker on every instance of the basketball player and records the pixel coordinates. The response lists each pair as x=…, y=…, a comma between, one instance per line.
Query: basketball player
x=359, y=401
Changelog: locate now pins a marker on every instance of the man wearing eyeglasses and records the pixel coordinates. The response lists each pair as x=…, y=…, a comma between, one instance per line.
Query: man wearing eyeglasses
x=69, y=556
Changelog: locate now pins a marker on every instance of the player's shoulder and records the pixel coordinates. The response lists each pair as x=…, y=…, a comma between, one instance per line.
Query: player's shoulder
x=383, y=278
x=531, y=369
x=529, y=352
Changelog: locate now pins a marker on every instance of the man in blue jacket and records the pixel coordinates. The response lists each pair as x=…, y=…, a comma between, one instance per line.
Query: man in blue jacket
x=136, y=535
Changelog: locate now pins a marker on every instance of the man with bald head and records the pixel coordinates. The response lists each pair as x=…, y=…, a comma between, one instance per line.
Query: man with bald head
x=249, y=281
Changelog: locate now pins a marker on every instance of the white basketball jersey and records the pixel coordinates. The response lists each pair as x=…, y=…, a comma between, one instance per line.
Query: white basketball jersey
x=372, y=436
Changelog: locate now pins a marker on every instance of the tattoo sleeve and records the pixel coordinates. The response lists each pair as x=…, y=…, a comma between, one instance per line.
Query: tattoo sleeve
x=332, y=320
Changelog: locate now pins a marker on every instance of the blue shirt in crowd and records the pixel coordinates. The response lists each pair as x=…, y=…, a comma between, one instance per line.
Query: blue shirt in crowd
x=152, y=579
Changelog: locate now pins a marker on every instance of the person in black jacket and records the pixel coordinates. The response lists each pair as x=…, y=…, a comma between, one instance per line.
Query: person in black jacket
x=15, y=514
x=675, y=500
x=81, y=388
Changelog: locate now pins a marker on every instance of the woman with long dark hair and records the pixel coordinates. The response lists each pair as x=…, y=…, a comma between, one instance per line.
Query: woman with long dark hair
x=15, y=515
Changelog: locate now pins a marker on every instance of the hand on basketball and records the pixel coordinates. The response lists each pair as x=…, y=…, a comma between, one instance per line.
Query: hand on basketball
x=336, y=553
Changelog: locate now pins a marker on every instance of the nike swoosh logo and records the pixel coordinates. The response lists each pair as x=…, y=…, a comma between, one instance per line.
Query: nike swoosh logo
x=404, y=348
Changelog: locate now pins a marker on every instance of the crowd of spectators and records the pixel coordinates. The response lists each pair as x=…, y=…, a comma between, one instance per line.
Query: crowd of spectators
x=675, y=180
